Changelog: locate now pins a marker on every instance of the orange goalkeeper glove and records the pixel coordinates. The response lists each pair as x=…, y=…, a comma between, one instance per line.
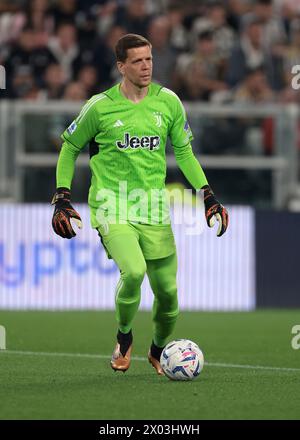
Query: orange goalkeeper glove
x=63, y=213
x=215, y=211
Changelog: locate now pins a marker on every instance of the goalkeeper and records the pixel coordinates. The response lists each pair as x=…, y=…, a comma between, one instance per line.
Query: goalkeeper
x=127, y=127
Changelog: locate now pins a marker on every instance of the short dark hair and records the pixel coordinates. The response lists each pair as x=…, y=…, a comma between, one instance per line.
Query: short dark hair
x=253, y=70
x=215, y=4
x=265, y=2
x=207, y=34
x=129, y=41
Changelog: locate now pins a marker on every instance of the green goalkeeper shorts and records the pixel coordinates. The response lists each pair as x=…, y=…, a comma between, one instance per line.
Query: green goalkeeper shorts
x=156, y=241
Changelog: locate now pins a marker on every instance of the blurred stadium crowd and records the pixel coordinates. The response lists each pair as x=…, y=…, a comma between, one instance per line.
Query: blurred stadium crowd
x=219, y=51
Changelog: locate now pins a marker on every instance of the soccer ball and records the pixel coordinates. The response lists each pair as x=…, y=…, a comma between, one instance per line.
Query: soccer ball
x=182, y=359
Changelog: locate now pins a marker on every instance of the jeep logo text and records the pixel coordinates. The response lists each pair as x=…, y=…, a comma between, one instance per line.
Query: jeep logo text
x=150, y=142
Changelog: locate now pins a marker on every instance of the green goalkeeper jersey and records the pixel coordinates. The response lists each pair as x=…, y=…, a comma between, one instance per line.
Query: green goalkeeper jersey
x=127, y=153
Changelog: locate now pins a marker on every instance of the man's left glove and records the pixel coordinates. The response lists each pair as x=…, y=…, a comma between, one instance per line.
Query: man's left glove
x=215, y=211
x=63, y=213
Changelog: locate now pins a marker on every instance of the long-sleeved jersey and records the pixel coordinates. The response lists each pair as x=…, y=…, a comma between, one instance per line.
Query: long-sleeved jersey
x=127, y=153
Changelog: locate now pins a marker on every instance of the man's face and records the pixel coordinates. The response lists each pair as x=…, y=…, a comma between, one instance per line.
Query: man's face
x=138, y=66
x=255, y=34
x=265, y=12
x=257, y=82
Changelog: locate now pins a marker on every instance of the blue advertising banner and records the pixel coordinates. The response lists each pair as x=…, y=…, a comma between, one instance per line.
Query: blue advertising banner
x=39, y=270
x=277, y=259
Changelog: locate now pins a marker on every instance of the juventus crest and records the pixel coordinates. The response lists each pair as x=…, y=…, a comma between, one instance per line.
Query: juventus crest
x=158, y=118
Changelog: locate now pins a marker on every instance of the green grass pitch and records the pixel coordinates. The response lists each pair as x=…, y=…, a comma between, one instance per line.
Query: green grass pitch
x=44, y=376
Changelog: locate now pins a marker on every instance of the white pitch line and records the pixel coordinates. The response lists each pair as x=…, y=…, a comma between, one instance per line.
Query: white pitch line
x=250, y=367
x=139, y=358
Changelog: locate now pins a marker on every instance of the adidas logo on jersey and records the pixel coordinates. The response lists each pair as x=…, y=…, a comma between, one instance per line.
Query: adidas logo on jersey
x=150, y=142
x=118, y=123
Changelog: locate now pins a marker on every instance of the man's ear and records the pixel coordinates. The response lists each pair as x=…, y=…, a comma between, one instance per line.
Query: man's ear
x=120, y=67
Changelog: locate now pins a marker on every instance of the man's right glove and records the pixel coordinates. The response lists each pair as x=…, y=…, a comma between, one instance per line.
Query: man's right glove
x=63, y=213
